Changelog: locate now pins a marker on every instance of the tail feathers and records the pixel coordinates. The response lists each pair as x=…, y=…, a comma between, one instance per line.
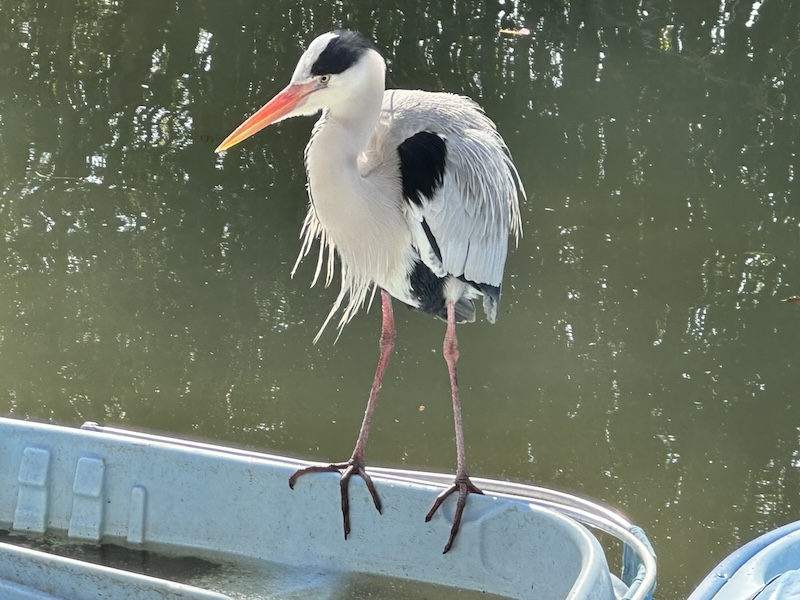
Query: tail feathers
x=465, y=307
x=491, y=298
x=465, y=311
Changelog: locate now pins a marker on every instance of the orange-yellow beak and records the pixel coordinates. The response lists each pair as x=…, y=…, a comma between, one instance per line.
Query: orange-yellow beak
x=281, y=105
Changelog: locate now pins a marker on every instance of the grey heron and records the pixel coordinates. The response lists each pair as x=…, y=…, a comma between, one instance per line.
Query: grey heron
x=416, y=194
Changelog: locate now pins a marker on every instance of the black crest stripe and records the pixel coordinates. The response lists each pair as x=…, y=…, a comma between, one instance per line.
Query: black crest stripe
x=341, y=53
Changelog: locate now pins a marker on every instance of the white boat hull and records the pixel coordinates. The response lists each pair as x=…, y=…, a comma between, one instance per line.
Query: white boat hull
x=96, y=485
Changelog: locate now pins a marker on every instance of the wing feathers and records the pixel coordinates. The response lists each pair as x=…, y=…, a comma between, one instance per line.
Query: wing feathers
x=460, y=226
x=459, y=192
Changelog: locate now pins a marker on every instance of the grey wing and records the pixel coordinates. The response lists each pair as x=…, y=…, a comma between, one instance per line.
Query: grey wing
x=460, y=224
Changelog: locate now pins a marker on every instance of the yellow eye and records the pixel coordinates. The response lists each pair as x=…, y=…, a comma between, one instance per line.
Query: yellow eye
x=324, y=78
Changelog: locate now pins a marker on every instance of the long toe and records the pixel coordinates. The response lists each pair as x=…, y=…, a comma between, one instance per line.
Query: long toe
x=352, y=467
x=464, y=486
x=316, y=469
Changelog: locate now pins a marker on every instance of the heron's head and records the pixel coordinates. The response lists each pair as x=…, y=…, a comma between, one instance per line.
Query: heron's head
x=336, y=70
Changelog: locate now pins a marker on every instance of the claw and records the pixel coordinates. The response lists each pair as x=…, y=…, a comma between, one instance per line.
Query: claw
x=464, y=487
x=347, y=470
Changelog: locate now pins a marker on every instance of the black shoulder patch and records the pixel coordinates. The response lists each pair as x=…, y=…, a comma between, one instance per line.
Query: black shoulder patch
x=422, y=162
x=341, y=53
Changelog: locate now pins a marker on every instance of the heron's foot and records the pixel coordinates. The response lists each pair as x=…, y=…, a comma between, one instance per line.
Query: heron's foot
x=463, y=486
x=355, y=466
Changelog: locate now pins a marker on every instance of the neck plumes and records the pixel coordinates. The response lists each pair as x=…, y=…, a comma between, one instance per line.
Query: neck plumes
x=355, y=213
x=342, y=135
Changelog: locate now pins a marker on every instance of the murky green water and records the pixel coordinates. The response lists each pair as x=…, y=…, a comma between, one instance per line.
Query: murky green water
x=642, y=355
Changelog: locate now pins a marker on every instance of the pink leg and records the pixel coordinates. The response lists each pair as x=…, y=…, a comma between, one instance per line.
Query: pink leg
x=356, y=466
x=462, y=484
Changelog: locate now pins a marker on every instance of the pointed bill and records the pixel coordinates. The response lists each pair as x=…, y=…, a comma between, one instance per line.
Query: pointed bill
x=281, y=106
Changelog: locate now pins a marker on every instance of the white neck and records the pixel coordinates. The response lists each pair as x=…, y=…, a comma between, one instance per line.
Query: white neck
x=360, y=214
x=352, y=113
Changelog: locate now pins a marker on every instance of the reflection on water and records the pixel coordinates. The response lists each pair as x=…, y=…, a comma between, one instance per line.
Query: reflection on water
x=643, y=355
